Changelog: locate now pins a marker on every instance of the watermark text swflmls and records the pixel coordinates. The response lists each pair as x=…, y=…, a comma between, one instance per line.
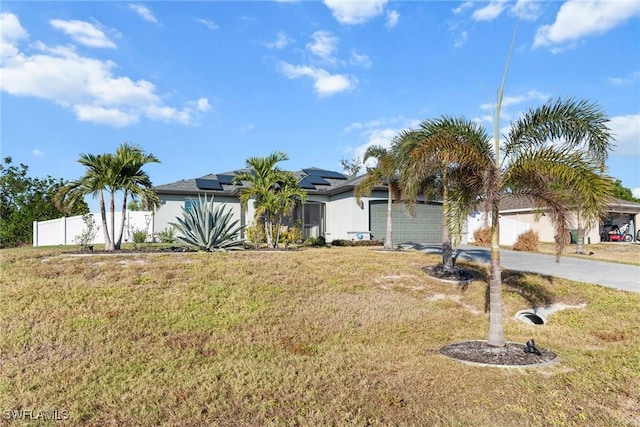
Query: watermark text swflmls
x=35, y=415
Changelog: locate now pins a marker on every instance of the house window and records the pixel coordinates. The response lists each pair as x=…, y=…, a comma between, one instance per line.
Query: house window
x=190, y=203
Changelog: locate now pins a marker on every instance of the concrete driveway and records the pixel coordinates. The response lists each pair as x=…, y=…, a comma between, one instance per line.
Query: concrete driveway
x=609, y=274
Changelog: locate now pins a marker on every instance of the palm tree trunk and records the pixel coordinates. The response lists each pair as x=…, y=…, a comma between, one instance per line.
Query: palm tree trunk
x=278, y=228
x=105, y=229
x=388, y=242
x=112, y=208
x=268, y=229
x=580, y=242
x=118, y=242
x=447, y=250
x=496, y=327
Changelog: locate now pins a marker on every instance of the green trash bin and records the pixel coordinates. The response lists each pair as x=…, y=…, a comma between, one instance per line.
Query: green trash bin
x=574, y=236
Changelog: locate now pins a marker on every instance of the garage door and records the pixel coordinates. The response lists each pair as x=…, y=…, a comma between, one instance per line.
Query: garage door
x=424, y=227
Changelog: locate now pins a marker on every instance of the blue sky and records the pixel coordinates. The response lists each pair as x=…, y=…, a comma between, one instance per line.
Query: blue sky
x=204, y=85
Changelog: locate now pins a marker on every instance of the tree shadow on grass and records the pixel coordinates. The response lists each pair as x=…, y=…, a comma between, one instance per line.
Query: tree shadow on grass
x=526, y=285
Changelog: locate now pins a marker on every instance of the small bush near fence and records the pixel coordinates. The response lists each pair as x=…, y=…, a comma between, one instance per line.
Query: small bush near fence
x=527, y=241
x=85, y=238
x=168, y=235
x=344, y=242
x=482, y=236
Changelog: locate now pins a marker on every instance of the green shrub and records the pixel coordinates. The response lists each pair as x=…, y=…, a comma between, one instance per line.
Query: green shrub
x=529, y=241
x=85, y=238
x=168, y=235
x=255, y=234
x=139, y=236
x=482, y=236
x=209, y=228
x=291, y=235
x=315, y=241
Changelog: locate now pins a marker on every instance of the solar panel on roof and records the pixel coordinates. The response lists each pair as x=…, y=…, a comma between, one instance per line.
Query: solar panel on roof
x=225, y=179
x=324, y=173
x=208, y=184
x=306, y=184
x=317, y=180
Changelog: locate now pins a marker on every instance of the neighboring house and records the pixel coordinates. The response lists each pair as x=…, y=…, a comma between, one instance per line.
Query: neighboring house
x=518, y=211
x=330, y=211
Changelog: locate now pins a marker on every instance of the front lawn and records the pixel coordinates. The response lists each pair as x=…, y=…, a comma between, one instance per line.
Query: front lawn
x=326, y=336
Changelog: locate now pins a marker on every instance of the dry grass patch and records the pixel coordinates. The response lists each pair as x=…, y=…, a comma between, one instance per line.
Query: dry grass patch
x=329, y=336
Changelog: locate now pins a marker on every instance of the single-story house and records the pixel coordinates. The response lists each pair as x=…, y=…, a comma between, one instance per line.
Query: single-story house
x=331, y=209
x=619, y=212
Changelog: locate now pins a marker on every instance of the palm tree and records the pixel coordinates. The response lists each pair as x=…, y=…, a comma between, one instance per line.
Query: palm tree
x=132, y=180
x=547, y=159
x=113, y=173
x=385, y=172
x=274, y=191
x=427, y=171
x=288, y=195
x=93, y=182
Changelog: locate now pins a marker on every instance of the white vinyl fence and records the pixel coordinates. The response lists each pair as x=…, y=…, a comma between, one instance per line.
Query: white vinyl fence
x=63, y=231
x=510, y=229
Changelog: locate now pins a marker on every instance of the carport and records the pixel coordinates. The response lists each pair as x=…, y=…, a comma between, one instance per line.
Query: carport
x=619, y=213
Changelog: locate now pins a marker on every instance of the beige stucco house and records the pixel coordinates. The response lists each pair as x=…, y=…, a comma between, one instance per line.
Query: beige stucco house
x=619, y=212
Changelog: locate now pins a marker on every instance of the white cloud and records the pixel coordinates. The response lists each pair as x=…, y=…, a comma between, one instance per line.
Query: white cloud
x=325, y=84
x=324, y=44
x=577, y=19
x=355, y=12
x=489, y=12
x=379, y=132
x=461, y=40
x=626, y=130
x=508, y=101
x=11, y=32
x=282, y=40
x=202, y=104
x=37, y=152
x=529, y=10
x=83, y=33
x=85, y=85
x=464, y=6
x=105, y=116
x=392, y=19
x=144, y=12
x=208, y=23
x=636, y=192
x=360, y=59
x=629, y=79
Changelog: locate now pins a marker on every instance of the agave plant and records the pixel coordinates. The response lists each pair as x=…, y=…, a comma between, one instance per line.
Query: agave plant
x=209, y=228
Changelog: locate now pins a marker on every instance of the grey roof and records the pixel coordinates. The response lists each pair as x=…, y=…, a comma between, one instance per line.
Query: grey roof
x=313, y=180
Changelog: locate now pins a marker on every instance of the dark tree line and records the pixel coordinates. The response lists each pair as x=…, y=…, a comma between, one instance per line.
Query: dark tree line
x=24, y=199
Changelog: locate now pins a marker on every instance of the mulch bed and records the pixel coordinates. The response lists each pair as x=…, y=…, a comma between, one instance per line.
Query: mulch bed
x=512, y=354
x=457, y=275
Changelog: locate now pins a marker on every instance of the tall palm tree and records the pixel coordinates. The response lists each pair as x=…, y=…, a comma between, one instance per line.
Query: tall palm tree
x=547, y=159
x=132, y=180
x=288, y=196
x=385, y=172
x=427, y=171
x=93, y=182
x=273, y=190
x=111, y=173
